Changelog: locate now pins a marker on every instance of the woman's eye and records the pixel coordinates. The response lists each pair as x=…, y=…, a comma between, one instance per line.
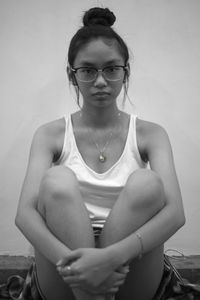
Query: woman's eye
x=88, y=71
x=112, y=69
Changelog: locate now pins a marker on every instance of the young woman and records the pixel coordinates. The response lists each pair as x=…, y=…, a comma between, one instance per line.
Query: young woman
x=95, y=214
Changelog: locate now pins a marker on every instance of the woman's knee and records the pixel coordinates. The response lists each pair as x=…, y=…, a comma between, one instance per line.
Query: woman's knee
x=145, y=190
x=58, y=183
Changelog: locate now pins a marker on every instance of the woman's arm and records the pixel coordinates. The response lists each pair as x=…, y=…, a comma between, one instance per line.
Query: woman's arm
x=28, y=219
x=154, y=142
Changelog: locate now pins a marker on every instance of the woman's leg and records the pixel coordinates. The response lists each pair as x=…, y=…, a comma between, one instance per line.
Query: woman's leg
x=61, y=205
x=142, y=197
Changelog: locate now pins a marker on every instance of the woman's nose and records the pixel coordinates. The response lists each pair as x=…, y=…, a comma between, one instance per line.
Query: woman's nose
x=100, y=80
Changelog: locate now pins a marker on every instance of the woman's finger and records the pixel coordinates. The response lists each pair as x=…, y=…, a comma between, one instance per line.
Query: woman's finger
x=119, y=276
x=118, y=283
x=123, y=269
x=67, y=271
x=74, y=285
x=113, y=290
x=63, y=261
x=70, y=257
x=71, y=279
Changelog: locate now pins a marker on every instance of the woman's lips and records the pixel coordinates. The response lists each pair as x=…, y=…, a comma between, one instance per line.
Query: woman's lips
x=101, y=94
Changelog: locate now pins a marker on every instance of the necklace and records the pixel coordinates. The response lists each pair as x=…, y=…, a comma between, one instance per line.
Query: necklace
x=101, y=157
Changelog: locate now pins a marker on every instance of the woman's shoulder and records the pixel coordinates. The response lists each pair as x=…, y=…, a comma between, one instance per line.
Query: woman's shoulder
x=51, y=135
x=146, y=128
x=149, y=136
x=51, y=129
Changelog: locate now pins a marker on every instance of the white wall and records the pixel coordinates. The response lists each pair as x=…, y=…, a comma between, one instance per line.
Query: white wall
x=164, y=36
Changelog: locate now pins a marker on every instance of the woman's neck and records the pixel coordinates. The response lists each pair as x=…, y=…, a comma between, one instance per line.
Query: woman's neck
x=100, y=118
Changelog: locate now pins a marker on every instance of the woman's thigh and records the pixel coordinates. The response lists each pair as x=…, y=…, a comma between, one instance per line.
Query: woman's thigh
x=144, y=277
x=59, y=203
x=51, y=284
x=141, y=199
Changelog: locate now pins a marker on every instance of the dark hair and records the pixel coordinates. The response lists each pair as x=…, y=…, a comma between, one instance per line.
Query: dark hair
x=97, y=23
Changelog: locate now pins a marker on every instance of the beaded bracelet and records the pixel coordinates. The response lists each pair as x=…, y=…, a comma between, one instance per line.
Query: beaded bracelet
x=141, y=245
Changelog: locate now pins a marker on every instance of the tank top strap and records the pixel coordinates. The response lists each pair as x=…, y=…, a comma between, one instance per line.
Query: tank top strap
x=132, y=138
x=66, y=149
x=132, y=132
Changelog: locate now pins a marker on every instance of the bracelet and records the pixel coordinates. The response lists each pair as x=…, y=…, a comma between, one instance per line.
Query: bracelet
x=141, y=245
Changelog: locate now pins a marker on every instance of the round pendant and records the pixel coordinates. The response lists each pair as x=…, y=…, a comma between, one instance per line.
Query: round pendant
x=102, y=158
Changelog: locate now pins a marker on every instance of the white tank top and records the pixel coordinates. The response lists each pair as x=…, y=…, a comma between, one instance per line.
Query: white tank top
x=101, y=190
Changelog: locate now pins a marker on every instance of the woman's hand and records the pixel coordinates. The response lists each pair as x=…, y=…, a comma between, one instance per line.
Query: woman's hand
x=89, y=268
x=112, y=284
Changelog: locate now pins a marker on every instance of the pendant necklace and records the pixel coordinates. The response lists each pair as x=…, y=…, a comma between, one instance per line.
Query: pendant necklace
x=101, y=157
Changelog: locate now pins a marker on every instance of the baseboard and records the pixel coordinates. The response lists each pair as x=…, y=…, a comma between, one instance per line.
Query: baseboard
x=188, y=267
x=14, y=265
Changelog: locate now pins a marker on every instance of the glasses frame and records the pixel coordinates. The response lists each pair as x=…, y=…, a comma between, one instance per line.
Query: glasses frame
x=74, y=70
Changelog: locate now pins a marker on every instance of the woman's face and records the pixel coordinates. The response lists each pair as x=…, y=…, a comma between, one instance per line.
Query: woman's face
x=99, y=53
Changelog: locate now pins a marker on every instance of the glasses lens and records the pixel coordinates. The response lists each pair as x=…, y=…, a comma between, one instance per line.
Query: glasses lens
x=114, y=72
x=111, y=73
x=86, y=74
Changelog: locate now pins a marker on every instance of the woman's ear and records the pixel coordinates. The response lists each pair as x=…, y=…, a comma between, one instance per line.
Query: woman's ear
x=71, y=76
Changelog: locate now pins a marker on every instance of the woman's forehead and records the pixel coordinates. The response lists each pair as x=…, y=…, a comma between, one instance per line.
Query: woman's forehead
x=99, y=51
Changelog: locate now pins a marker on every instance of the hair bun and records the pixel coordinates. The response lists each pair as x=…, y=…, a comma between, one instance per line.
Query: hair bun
x=99, y=16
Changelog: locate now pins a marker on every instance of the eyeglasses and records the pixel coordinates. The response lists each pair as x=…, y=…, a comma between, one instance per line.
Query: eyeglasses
x=110, y=73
